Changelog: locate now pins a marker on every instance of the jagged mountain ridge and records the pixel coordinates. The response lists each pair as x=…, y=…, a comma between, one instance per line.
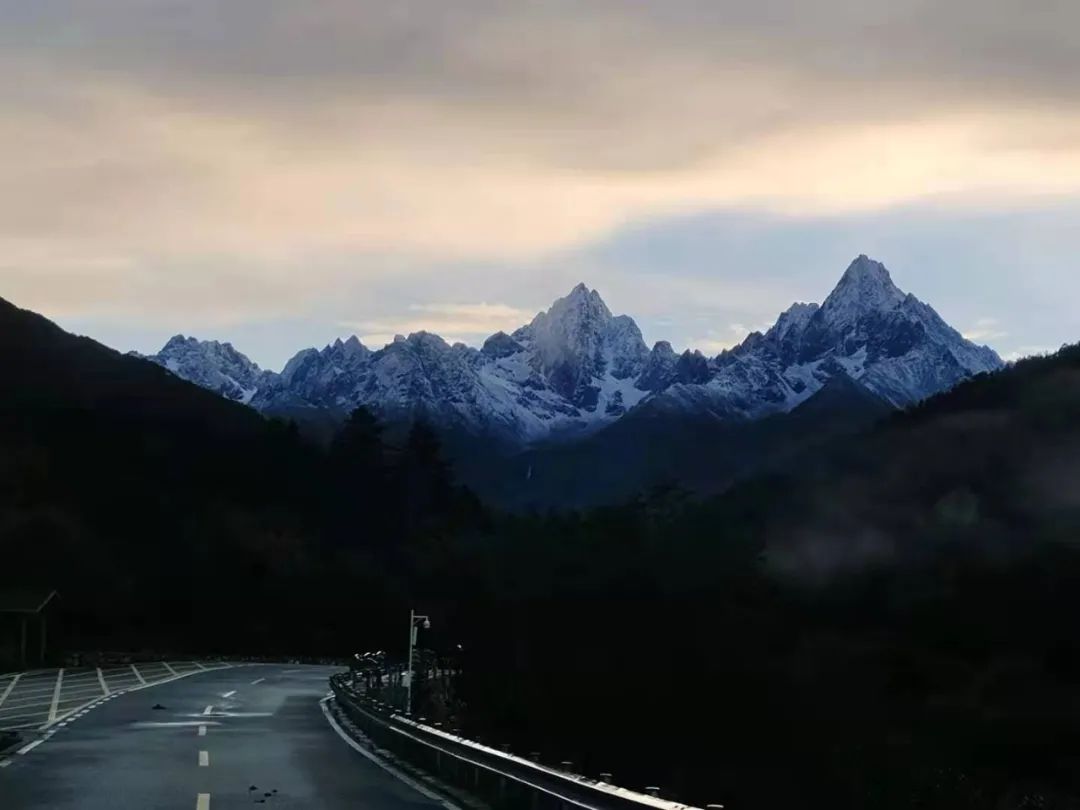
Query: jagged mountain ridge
x=577, y=367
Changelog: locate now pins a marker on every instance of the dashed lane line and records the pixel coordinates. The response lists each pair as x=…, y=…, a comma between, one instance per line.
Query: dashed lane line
x=138, y=674
x=202, y=801
x=229, y=694
x=204, y=759
x=202, y=730
x=56, y=695
x=208, y=710
x=257, y=681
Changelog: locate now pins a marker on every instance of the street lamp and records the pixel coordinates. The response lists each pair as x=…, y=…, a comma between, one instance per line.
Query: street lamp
x=415, y=623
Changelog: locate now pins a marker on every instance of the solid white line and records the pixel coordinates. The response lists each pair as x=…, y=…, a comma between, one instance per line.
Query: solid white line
x=257, y=681
x=229, y=694
x=208, y=710
x=101, y=680
x=138, y=674
x=56, y=695
x=202, y=731
x=202, y=802
x=390, y=769
x=171, y=670
x=204, y=759
x=26, y=749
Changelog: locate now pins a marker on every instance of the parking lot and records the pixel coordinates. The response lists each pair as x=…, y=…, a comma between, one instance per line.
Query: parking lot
x=34, y=699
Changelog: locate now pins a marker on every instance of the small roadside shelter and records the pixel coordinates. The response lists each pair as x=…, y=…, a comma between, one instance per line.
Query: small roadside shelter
x=24, y=617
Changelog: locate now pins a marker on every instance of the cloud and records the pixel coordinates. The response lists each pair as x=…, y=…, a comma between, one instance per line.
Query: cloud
x=224, y=163
x=1027, y=351
x=464, y=323
x=481, y=129
x=985, y=329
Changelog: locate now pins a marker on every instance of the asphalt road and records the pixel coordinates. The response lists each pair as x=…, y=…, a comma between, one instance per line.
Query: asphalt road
x=29, y=700
x=265, y=733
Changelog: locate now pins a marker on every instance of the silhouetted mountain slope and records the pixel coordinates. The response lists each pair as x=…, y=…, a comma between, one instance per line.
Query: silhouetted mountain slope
x=157, y=507
x=653, y=447
x=45, y=367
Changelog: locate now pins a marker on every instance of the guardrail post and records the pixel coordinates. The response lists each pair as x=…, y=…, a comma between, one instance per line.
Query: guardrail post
x=534, y=756
x=652, y=790
x=607, y=778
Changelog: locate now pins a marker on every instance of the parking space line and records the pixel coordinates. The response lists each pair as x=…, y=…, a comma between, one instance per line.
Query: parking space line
x=101, y=680
x=56, y=694
x=22, y=692
x=20, y=716
x=138, y=674
x=26, y=749
x=26, y=704
x=171, y=670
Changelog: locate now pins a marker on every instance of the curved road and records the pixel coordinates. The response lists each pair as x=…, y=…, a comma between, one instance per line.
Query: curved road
x=219, y=734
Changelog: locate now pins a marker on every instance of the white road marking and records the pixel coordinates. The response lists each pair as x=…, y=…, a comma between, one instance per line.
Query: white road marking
x=138, y=674
x=101, y=700
x=101, y=680
x=171, y=670
x=202, y=730
x=204, y=759
x=229, y=694
x=4, y=763
x=202, y=802
x=56, y=695
x=26, y=749
x=208, y=710
x=353, y=744
x=257, y=681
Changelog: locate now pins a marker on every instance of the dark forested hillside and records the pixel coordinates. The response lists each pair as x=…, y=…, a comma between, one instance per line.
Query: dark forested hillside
x=889, y=623
x=700, y=453
x=891, y=626
x=171, y=518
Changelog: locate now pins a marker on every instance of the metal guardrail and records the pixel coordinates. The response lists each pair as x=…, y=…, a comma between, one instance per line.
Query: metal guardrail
x=500, y=779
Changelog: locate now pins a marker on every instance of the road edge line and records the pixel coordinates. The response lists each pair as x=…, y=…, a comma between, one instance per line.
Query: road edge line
x=390, y=769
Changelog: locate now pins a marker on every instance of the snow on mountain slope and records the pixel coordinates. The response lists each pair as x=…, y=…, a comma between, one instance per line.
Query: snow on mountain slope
x=576, y=367
x=213, y=365
x=894, y=345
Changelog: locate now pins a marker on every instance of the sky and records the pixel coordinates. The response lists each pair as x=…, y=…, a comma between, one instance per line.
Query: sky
x=279, y=173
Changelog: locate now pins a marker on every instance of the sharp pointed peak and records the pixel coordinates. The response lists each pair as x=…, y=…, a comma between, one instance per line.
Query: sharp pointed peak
x=866, y=284
x=863, y=267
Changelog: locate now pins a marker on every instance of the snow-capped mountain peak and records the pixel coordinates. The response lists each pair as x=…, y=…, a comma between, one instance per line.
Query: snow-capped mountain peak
x=577, y=344
x=212, y=364
x=865, y=286
x=577, y=367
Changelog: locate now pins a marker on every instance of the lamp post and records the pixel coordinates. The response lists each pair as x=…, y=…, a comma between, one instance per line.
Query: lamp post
x=415, y=622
